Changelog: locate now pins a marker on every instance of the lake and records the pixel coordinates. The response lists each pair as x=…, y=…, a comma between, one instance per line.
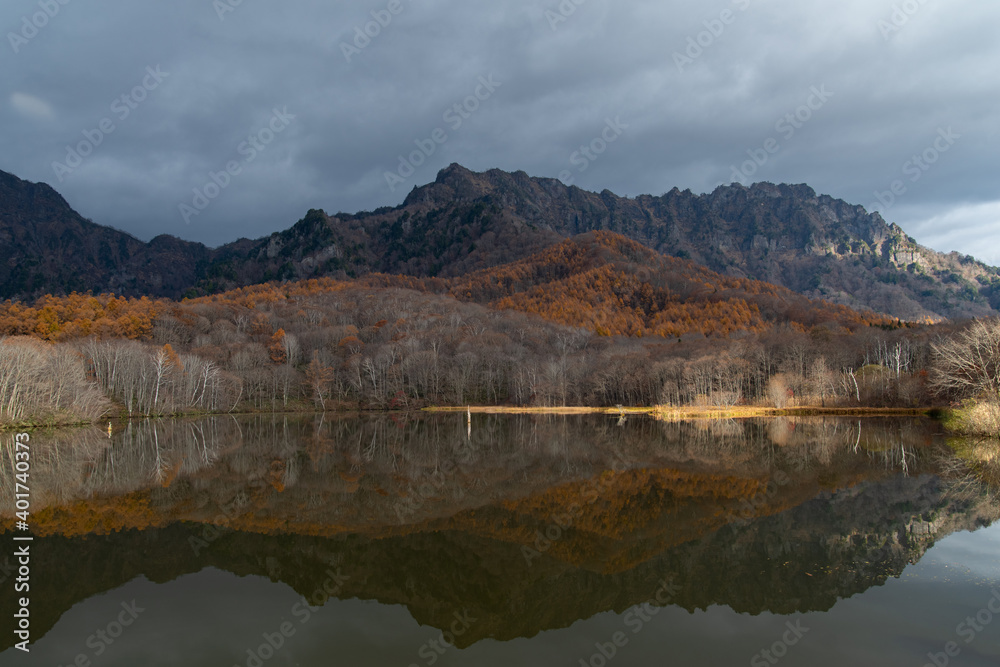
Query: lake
x=514, y=540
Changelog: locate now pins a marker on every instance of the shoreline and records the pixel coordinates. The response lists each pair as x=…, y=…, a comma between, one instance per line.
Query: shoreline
x=680, y=413
x=660, y=412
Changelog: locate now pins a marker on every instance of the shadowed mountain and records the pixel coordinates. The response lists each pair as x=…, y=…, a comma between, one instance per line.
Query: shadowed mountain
x=465, y=221
x=47, y=247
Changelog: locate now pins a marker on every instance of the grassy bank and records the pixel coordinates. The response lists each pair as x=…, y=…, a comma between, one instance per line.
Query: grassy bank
x=979, y=418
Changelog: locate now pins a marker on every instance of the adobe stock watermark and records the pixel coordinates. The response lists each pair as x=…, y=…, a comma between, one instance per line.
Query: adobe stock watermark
x=363, y=35
x=750, y=508
x=122, y=107
x=901, y=14
x=249, y=149
x=635, y=619
x=565, y=9
x=968, y=630
x=786, y=127
x=454, y=116
x=915, y=168
x=588, y=153
x=779, y=649
x=214, y=530
x=556, y=530
x=33, y=24
x=432, y=650
x=302, y=611
x=223, y=7
x=104, y=638
x=698, y=43
x=435, y=483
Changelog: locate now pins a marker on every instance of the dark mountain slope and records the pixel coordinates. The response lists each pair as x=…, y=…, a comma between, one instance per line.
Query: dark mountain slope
x=47, y=247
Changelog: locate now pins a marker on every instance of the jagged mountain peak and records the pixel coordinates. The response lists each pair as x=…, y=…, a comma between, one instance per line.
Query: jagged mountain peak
x=464, y=220
x=800, y=191
x=455, y=183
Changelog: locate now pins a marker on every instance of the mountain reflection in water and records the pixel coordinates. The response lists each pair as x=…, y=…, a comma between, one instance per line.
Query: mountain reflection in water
x=529, y=523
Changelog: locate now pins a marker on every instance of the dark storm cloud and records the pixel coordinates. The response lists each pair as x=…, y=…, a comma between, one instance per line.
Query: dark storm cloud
x=842, y=96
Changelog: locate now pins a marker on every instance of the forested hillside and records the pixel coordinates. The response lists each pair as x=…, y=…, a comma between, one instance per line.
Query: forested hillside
x=489, y=288
x=604, y=282
x=596, y=320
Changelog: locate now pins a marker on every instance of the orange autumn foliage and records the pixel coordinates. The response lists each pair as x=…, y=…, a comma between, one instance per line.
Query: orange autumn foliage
x=617, y=287
x=81, y=315
x=600, y=280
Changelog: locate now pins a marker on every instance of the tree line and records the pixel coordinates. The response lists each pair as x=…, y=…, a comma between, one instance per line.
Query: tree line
x=593, y=321
x=336, y=345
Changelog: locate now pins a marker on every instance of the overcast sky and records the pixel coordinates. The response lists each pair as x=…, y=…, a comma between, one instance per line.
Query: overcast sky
x=128, y=107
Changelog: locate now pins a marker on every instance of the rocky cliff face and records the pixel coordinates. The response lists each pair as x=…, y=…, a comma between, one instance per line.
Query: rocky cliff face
x=463, y=221
x=782, y=234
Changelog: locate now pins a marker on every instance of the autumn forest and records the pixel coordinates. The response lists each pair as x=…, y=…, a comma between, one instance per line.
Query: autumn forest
x=596, y=320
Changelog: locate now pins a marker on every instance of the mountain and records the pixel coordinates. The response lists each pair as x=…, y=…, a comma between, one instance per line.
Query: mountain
x=48, y=247
x=786, y=235
x=466, y=221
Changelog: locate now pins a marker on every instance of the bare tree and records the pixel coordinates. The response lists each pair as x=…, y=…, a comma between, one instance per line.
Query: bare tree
x=777, y=390
x=968, y=364
x=318, y=379
x=40, y=381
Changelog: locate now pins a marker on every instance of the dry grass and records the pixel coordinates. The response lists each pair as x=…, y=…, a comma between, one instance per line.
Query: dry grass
x=976, y=418
x=667, y=412
x=511, y=410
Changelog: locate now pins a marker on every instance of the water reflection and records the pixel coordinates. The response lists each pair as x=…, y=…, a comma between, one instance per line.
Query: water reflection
x=527, y=522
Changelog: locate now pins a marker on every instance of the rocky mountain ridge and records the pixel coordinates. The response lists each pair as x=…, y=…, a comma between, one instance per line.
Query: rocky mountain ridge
x=463, y=221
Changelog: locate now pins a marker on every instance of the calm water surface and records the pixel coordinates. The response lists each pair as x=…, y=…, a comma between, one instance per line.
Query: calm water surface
x=523, y=540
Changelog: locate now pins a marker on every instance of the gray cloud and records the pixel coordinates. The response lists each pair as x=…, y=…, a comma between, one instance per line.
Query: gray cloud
x=691, y=119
